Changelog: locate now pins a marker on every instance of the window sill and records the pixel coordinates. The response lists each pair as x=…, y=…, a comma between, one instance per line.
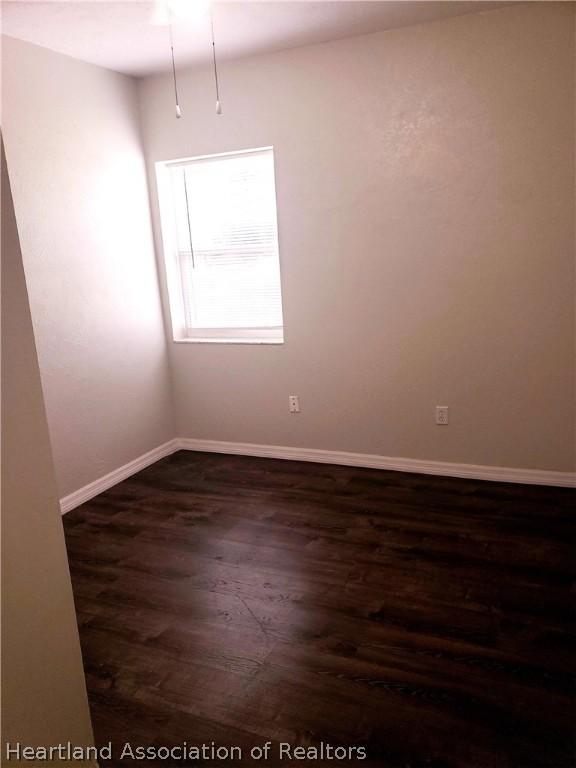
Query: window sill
x=228, y=341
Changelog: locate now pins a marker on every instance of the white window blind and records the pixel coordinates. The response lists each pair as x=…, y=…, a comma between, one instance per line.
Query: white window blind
x=227, y=245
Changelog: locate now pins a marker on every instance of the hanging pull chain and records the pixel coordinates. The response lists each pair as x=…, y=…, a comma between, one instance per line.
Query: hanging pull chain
x=218, y=107
x=178, y=110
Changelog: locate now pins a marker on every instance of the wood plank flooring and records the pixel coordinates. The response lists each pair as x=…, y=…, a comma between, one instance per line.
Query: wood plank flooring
x=238, y=600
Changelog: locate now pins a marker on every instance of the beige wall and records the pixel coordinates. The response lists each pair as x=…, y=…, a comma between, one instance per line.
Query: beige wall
x=43, y=690
x=78, y=178
x=425, y=192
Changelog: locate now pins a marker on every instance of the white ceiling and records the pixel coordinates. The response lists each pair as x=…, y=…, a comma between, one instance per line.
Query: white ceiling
x=126, y=36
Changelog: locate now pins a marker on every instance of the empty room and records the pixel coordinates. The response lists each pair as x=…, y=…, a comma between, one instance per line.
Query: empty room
x=288, y=383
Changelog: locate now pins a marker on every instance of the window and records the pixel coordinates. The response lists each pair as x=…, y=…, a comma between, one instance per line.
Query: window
x=221, y=247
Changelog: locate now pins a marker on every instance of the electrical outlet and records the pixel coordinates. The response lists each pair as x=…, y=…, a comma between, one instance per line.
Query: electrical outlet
x=442, y=415
x=293, y=404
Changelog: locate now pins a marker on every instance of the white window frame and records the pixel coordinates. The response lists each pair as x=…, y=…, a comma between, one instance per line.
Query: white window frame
x=180, y=332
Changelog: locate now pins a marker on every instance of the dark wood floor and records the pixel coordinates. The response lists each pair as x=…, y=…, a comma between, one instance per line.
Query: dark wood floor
x=240, y=600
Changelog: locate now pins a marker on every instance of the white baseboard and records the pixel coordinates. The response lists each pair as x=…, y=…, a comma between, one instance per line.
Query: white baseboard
x=117, y=475
x=419, y=466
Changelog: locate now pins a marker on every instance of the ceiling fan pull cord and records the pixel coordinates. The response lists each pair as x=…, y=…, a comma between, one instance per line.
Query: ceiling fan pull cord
x=218, y=106
x=178, y=110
